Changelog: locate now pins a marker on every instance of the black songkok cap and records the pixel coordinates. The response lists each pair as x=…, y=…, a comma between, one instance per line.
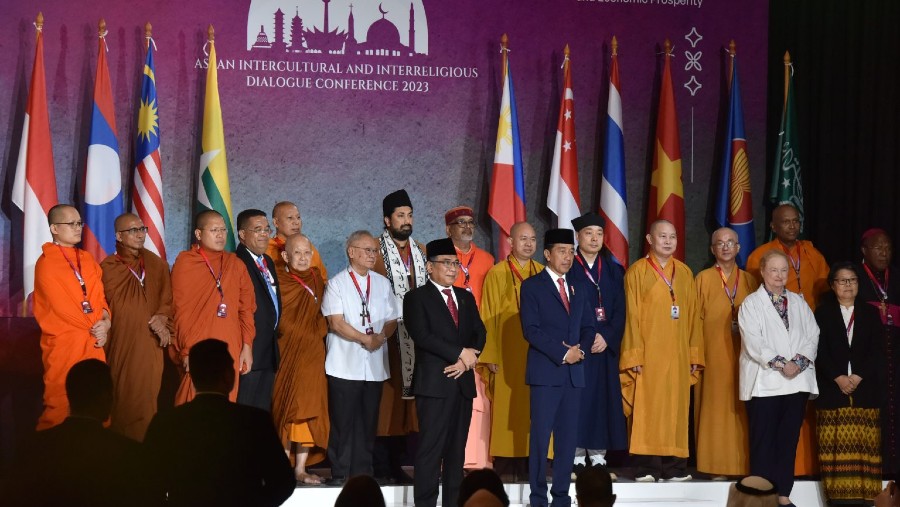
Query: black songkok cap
x=588, y=219
x=395, y=200
x=440, y=247
x=558, y=237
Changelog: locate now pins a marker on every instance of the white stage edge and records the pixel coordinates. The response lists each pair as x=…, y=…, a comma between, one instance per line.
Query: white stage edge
x=632, y=494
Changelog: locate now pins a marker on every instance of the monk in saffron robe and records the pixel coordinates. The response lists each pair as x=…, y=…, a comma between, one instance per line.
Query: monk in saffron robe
x=661, y=358
x=720, y=417
x=139, y=291
x=70, y=308
x=214, y=298
x=287, y=221
x=807, y=276
x=300, y=398
x=505, y=351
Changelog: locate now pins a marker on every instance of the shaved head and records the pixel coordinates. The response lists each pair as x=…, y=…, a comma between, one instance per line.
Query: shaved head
x=125, y=218
x=56, y=213
x=286, y=219
x=282, y=207
x=296, y=239
x=716, y=235
x=518, y=226
x=205, y=216
x=657, y=223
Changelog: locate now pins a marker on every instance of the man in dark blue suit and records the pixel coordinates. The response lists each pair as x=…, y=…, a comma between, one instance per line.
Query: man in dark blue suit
x=558, y=323
x=255, y=388
x=444, y=324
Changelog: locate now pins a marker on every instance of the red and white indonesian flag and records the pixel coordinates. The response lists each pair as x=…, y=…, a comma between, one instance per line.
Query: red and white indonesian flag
x=34, y=188
x=563, y=197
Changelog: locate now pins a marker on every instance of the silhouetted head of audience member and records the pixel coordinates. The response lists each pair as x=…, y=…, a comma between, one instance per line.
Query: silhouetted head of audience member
x=89, y=389
x=485, y=479
x=752, y=491
x=360, y=491
x=593, y=488
x=211, y=366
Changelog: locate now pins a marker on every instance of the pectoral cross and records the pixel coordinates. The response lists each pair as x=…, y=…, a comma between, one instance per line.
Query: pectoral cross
x=365, y=315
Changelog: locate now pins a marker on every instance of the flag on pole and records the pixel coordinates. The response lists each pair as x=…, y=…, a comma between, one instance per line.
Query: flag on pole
x=103, y=178
x=34, y=187
x=146, y=186
x=562, y=197
x=734, y=204
x=613, y=203
x=666, y=189
x=787, y=178
x=213, y=190
x=507, y=199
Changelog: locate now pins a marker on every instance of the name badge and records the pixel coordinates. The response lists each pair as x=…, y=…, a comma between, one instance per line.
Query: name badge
x=369, y=330
x=676, y=313
x=222, y=311
x=86, y=307
x=734, y=327
x=600, y=313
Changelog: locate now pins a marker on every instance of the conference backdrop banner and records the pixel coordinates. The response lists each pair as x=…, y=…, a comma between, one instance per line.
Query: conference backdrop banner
x=333, y=104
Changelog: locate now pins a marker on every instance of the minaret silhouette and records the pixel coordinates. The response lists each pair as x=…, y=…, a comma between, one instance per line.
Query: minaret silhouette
x=412, y=30
x=326, y=2
x=351, y=30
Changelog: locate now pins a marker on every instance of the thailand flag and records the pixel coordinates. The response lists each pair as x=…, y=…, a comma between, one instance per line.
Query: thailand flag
x=563, y=197
x=613, y=203
x=507, y=199
x=103, y=179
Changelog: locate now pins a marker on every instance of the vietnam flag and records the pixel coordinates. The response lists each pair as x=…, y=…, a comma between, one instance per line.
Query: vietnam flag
x=507, y=199
x=666, y=190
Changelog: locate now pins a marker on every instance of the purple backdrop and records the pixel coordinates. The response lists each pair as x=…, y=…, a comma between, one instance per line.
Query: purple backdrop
x=336, y=119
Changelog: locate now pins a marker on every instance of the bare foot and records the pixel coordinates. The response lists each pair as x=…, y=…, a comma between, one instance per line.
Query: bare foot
x=310, y=479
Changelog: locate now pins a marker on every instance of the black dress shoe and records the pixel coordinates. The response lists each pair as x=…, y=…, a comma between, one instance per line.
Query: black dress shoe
x=577, y=469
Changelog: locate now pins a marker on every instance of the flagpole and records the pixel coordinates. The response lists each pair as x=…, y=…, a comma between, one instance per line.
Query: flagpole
x=732, y=51
x=504, y=49
x=787, y=77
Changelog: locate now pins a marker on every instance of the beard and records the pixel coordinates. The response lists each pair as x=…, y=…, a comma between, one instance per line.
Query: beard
x=401, y=234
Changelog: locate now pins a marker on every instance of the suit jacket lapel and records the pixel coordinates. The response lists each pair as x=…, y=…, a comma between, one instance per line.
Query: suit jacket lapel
x=554, y=288
x=438, y=299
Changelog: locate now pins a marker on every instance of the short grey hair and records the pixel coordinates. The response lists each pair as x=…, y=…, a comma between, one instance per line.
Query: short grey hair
x=354, y=237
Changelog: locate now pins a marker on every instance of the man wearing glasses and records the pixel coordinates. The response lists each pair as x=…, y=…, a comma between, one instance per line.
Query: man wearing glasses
x=213, y=298
x=70, y=308
x=362, y=312
x=139, y=290
x=255, y=387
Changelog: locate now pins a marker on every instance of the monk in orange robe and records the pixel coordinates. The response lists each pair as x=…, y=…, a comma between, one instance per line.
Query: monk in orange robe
x=300, y=397
x=70, y=308
x=214, y=298
x=287, y=221
x=807, y=276
x=139, y=292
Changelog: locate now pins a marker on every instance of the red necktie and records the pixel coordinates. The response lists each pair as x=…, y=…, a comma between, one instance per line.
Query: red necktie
x=562, y=293
x=451, y=305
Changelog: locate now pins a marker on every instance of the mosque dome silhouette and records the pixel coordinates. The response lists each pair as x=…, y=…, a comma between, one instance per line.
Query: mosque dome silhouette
x=383, y=34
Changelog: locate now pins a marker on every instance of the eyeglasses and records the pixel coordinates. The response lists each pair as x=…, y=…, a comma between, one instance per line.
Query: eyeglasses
x=220, y=230
x=260, y=230
x=846, y=282
x=368, y=251
x=449, y=264
x=135, y=230
x=74, y=225
x=722, y=244
x=463, y=223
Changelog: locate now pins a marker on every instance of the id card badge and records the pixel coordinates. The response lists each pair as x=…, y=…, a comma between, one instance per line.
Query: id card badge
x=222, y=312
x=600, y=313
x=369, y=330
x=86, y=307
x=734, y=327
x=676, y=313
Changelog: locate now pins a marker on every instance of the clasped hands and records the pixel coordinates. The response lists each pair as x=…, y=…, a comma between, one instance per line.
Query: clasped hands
x=100, y=330
x=467, y=360
x=848, y=383
x=373, y=342
x=159, y=325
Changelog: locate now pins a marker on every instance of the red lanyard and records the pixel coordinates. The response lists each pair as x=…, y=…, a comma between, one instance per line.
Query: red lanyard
x=218, y=278
x=515, y=272
x=850, y=323
x=662, y=275
x=307, y=287
x=887, y=278
x=587, y=272
x=365, y=300
x=465, y=269
x=795, y=265
x=75, y=270
x=264, y=270
x=140, y=278
x=407, y=263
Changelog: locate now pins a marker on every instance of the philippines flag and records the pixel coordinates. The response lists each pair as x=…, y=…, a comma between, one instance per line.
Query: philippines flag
x=613, y=203
x=507, y=199
x=34, y=187
x=146, y=186
x=734, y=205
x=103, y=179
x=563, y=197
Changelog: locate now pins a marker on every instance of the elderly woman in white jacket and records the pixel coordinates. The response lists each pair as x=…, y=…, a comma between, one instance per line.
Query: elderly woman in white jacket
x=779, y=339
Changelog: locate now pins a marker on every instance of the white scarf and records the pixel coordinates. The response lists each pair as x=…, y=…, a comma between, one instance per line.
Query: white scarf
x=396, y=274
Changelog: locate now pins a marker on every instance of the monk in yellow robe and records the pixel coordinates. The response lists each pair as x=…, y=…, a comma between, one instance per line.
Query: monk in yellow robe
x=287, y=221
x=139, y=291
x=214, y=298
x=300, y=396
x=661, y=357
x=70, y=308
x=505, y=350
x=807, y=276
x=720, y=418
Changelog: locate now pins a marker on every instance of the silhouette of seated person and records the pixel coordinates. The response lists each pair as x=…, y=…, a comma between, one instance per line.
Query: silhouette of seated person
x=212, y=452
x=482, y=488
x=593, y=488
x=77, y=462
x=360, y=491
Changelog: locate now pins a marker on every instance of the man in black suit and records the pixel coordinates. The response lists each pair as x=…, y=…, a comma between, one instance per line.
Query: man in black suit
x=76, y=462
x=211, y=452
x=444, y=324
x=255, y=388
